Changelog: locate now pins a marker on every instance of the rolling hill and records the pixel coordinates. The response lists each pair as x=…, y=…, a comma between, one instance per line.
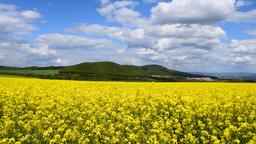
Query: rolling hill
x=104, y=71
x=114, y=71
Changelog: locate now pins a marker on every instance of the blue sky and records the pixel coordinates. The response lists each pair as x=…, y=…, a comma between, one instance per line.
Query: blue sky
x=58, y=15
x=187, y=35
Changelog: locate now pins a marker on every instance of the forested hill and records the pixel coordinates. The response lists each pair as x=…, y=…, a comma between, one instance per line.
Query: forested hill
x=105, y=71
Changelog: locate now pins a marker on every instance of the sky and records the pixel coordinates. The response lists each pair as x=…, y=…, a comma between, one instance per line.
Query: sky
x=185, y=35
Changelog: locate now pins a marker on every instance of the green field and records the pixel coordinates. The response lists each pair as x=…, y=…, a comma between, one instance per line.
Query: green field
x=29, y=72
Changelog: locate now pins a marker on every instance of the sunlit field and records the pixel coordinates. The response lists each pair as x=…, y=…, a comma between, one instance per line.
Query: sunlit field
x=52, y=111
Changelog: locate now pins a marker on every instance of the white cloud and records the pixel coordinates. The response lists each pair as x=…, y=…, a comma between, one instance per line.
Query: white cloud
x=181, y=34
x=181, y=30
x=104, y=2
x=118, y=33
x=153, y=33
x=38, y=49
x=191, y=11
x=14, y=21
x=29, y=14
x=244, y=59
x=71, y=42
x=173, y=45
x=120, y=11
x=243, y=17
x=251, y=32
x=61, y=61
x=108, y=10
x=244, y=46
x=125, y=15
x=56, y=49
x=166, y=44
x=191, y=59
x=242, y=3
x=240, y=54
x=14, y=51
x=25, y=53
x=138, y=33
x=184, y=35
x=94, y=29
x=190, y=43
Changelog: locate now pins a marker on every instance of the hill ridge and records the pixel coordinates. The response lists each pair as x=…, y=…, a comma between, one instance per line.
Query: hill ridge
x=107, y=71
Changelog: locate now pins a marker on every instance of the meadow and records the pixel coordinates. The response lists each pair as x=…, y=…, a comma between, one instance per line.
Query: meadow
x=29, y=72
x=61, y=111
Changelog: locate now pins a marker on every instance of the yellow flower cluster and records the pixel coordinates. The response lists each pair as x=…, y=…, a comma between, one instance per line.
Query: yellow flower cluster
x=52, y=111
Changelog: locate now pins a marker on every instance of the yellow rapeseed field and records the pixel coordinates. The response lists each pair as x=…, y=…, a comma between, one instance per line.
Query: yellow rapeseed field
x=52, y=111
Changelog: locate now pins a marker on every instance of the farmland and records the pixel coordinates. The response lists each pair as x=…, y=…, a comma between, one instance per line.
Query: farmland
x=103, y=71
x=60, y=111
x=29, y=72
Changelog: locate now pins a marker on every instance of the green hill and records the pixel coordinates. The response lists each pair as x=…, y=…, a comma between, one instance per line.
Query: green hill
x=114, y=71
x=101, y=68
x=102, y=71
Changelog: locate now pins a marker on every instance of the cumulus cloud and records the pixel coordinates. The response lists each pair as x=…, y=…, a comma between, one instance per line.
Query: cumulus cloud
x=243, y=17
x=15, y=51
x=94, y=29
x=23, y=53
x=45, y=49
x=29, y=14
x=239, y=55
x=160, y=36
x=191, y=59
x=202, y=12
x=168, y=45
x=118, y=33
x=108, y=10
x=181, y=34
x=176, y=45
x=16, y=22
x=181, y=30
x=121, y=12
x=244, y=46
x=65, y=41
x=190, y=11
x=55, y=49
x=244, y=59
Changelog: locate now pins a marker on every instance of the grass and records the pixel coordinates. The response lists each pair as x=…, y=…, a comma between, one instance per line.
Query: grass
x=29, y=72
